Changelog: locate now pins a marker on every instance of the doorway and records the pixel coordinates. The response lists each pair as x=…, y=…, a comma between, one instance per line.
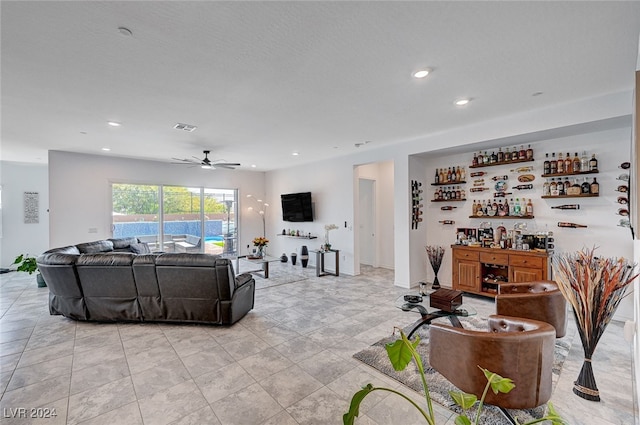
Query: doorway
x=367, y=221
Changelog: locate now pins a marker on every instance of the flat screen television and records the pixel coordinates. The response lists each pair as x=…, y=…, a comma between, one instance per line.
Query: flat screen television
x=297, y=207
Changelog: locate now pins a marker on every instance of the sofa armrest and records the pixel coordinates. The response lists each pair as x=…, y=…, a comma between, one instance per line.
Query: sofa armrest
x=242, y=279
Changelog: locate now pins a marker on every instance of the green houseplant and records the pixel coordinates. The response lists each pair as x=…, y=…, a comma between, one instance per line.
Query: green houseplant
x=402, y=352
x=29, y=265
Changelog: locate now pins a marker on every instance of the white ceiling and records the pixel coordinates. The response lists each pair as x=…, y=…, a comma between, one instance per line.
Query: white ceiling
x=264, y=79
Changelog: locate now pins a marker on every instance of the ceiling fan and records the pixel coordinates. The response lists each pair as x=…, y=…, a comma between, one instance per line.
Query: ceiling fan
x=206, y=163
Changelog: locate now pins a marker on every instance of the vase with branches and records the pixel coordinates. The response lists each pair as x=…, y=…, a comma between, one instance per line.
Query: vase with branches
x=594, y=287
x=435, y=254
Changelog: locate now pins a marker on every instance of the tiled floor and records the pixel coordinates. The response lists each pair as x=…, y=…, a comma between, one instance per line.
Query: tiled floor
x=287, y=362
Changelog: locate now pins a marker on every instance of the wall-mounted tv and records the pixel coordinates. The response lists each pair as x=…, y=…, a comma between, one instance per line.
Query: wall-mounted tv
x=297, y=207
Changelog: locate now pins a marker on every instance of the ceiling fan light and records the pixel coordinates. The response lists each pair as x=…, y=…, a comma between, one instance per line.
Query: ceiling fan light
x=206, y=167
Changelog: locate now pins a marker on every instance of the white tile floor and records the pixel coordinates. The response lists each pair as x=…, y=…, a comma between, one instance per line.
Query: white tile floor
x=287, y=362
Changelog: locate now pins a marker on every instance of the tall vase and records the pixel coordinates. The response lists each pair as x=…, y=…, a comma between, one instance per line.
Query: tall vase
x=585, y=386
x=436, y=283
x=260, y=252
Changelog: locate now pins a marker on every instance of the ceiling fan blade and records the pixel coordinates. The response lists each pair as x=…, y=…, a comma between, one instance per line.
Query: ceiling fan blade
x=226, y=166
x=184, y=161
x=229, y=164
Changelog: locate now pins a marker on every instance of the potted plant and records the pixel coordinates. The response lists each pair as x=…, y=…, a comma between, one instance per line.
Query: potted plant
x=28, y=264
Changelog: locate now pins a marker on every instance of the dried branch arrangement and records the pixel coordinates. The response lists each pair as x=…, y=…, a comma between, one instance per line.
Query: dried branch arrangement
x=435, y=254
x=594, y=286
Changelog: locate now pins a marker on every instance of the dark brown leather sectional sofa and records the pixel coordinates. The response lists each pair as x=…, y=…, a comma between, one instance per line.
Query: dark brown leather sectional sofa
x=106, y=281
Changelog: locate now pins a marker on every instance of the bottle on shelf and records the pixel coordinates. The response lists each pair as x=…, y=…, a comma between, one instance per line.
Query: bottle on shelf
x=517, y=209
x=522, y=154
x=572, y=225
x=547, y=164
x=595, y=187
x=497, y=178
x=586, y=187
x=560, y=164
x=486, y=159
x=546, y=191
x=463, y=194
x=447, y=222
x=478, y=189
x=493, y=159
x=576, y=163
x=463, y=174
x=506, y=207
x=448, y=175
x=475, y=159
x=480, y=158
x=560, y=186
x=593, y=163
x=478, y=173
x=500, y=155
x=584, y=162
x=567, y=207
x=437, y=179
x=515, y=154
x=567, y=185
x=507, y=155
x=529, y=152
x=553, y=164
x=523, y=186
x=553, y=188
x=529, y=208
x=568, y=164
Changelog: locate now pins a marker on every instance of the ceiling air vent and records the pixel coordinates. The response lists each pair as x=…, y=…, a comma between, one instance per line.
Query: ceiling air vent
x=185, y=127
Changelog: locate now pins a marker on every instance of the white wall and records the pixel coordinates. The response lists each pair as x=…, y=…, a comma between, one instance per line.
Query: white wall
x=18, y=237
x=611, y=147
x=80, y=192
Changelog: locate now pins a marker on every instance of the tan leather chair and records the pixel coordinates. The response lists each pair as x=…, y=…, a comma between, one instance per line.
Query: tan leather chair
x=515, y=348
x=539, y=300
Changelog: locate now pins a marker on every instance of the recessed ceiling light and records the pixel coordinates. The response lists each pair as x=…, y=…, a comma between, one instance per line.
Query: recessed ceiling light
x=253, y=165
x=106, y=149
x=114, y=123
x=462, y=102
x=295, y=153
x=422, y=73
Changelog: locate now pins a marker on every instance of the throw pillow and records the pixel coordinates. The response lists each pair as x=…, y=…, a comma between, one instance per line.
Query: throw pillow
x=139, y=248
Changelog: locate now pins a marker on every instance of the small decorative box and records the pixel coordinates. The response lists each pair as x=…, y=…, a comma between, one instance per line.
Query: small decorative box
x=445, y=299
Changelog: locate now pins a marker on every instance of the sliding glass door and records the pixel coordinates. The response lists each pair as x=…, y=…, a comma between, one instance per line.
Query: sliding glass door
x=177, y=218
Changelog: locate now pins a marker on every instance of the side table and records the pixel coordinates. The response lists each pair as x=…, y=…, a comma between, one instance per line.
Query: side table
x=320, y=271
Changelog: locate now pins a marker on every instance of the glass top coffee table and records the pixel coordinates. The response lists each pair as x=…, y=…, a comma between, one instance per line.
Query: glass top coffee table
x=429, y=313
x=263, y=262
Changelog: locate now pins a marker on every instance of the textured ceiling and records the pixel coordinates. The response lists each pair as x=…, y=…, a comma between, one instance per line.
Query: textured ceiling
x=264, y=79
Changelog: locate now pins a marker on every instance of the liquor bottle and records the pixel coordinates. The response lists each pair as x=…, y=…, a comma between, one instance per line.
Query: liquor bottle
x=517, y=208
x=595, y=187
x=463, y=174
x=507, y=156
x=546, y=191
x=567, y=207
x=447, y=208
x=480, y=158
x=560, y=164
x=506, y=207
x=497, y=178
x=576, y=163
x=493, y=158
x=463, y=194
x=500, y=155
x=523, y=153
x=443, y=176
x=486, y=159
x=458, y=175
x=501, y=194
x=572, y=225
x=515, y=154
x=526, y=169
x=478, y=189
x=586, y=187
x=449, y=175
x=458, y=193
x=437, y=180
x=560, y=186
x=547, y=165
x=475, y=159
x=568, y=164
x=529, y=153
x=447, y=222
x=554, y=164
x=584, y=162
x=593, y=163
x=474, y=207
x=478, y=173
x=553, y=187
x=523, y=186
x=529, y=208
x=435, y=195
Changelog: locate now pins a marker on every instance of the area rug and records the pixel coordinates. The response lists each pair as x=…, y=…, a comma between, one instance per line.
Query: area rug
x=376, y=357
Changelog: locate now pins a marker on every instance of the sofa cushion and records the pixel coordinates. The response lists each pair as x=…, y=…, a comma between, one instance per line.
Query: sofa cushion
x=95, y=247
x=139, y=248
x=123, y=243
x=71, y=250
